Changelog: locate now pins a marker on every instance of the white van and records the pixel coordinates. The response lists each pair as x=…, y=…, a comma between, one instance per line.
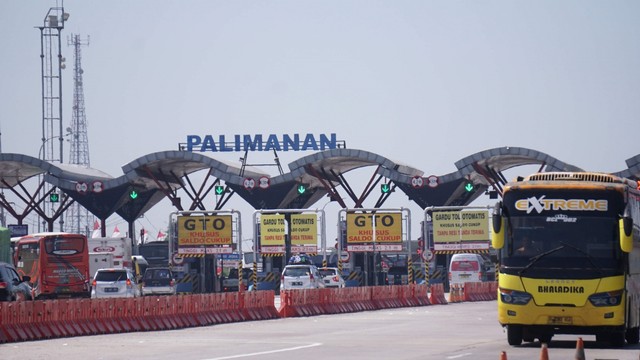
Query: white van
x=465, y=268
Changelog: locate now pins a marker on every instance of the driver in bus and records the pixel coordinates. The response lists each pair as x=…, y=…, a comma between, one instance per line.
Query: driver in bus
x=527, y=247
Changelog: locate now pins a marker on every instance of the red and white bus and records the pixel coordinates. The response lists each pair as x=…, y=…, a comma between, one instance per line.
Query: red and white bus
x=58, y=264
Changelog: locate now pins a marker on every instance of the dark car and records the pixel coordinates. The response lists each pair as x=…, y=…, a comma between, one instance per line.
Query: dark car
x=13, y=288
x=230, y=283
x=397, y=275
x=158, y=281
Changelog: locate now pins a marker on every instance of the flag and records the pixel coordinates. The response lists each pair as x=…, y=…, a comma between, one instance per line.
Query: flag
x=146, y=236
x=161, y=236
x=96, y=229
x=116, y=232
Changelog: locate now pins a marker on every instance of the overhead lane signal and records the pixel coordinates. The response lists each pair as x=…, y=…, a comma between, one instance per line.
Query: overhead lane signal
x=468, y=186
x=219, y=189
x=385, y=188
x=54, y=197
x=302, y=188
x=133, y=194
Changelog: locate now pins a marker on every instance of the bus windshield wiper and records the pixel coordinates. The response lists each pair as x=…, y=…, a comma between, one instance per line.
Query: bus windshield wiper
x=586, y=254
x=535, y=259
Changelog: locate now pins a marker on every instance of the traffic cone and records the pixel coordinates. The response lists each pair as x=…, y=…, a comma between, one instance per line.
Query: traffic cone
x=503, y=355
x=544, y=353
x=579, y=349
x=452, y=293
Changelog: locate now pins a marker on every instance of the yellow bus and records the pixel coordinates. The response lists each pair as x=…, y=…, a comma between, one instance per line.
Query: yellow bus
x=569, y=257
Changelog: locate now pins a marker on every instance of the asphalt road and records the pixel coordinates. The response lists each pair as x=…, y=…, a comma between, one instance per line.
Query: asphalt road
x=453, y=331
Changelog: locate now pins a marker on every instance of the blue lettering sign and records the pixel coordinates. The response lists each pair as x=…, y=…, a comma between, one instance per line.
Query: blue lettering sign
x=273, y=142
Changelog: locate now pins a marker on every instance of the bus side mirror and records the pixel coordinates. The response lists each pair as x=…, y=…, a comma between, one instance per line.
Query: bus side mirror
x=497, y=231
x=626, y=234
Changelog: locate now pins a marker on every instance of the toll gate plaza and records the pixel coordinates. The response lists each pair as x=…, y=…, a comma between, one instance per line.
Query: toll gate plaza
x=149, y=179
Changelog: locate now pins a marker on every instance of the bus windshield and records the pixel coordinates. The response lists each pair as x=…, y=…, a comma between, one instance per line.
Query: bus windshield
x=62, y=246
x=576, y=247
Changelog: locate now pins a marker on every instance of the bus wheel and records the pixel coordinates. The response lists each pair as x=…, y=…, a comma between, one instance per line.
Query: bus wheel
x=633, y=335
x=617, y=339
x=514, y=334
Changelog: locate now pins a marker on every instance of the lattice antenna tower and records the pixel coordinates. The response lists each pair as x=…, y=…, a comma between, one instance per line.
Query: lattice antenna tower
x=78, y=220
x=51, y=65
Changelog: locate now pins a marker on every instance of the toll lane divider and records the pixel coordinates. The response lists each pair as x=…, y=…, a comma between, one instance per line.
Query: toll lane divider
x=32, y=320
x=45, y=319
x=309, y=302
x=437, y=294
x=483, y=291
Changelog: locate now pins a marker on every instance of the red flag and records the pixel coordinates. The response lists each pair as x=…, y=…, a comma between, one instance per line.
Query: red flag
x=116, y=232
x=161, y=235
x=96, y=230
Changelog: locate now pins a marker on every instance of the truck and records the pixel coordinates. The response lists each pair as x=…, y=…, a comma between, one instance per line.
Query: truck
x=118, y=247
x=97, y=261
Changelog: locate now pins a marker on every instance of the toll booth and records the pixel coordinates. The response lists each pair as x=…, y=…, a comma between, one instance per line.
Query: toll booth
x=200, y=242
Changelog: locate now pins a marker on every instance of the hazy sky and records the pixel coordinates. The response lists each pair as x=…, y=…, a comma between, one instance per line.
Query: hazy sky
x=422, y=82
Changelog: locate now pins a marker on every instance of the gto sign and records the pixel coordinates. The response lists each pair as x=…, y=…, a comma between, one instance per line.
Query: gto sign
x=360, y=228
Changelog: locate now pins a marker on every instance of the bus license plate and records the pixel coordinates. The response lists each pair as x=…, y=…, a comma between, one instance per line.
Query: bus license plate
x=560, y=320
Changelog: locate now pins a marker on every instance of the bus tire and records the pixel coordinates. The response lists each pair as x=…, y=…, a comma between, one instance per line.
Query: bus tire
x=514, y=335
x=633, y=335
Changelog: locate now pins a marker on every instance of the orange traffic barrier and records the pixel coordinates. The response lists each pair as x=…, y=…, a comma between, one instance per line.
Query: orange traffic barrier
x=437, y=294
x=503, y=355
x=544, y=352
x=43, y=319
x=579, y=349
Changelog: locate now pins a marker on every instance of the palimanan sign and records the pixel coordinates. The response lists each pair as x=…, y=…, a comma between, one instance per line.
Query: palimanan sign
x=271, y=142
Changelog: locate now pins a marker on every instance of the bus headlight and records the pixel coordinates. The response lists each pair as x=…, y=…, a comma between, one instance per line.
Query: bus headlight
x=610, y=298
x=514, y=297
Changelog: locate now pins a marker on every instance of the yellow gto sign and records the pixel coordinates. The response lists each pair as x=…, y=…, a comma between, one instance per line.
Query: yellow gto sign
x=204, y=230
x=388, y=228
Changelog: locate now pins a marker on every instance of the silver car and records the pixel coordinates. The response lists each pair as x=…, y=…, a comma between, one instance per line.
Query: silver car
x=301, y=277
x=112, y=282
x=331, y=277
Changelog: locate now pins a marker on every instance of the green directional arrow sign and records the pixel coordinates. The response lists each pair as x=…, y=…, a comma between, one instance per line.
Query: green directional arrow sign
x=133, y=194
x=54, y=197
x=301, y=189
x=469, y=187
x=385, y=188
x=219, y=189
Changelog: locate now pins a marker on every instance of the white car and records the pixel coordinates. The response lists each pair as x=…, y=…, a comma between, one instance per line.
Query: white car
x=331, y=277
x=301, y=276
x=112, y=282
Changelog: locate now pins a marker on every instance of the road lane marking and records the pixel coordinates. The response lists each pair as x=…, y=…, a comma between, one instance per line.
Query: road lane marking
x=458, y=356
x=266, y=352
